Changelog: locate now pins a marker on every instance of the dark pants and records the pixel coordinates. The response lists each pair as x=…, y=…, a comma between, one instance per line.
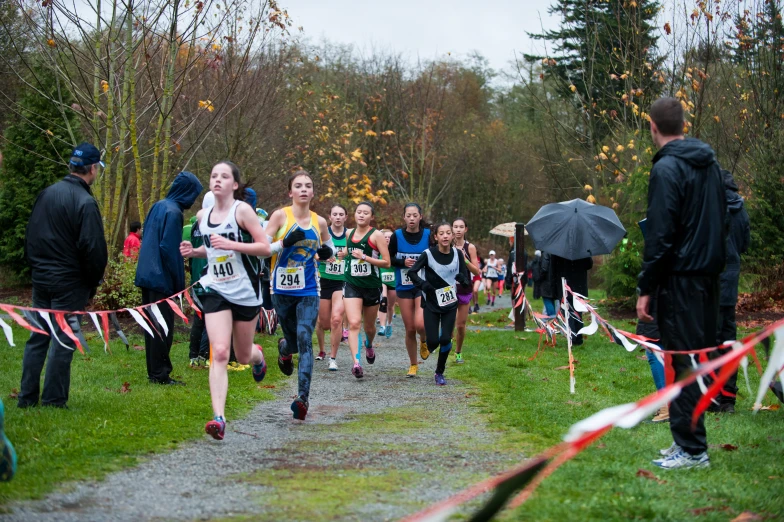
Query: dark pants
x=157, y=346
x=727, y=332
x=575, y=324
x=688, y=320
x=438, y=329
x=199, y=342
x=297, y=317
x=57, y=381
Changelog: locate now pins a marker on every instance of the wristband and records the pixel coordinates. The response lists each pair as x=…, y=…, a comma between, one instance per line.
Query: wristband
x=277, y=247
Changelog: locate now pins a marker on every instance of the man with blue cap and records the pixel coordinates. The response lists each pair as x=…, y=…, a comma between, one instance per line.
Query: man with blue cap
x=66, y=249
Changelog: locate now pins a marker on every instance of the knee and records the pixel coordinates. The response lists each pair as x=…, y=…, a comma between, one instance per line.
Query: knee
x=445, y=342
x=432, y=345
x=354, y=324
x=220, y=353
x=243, y=358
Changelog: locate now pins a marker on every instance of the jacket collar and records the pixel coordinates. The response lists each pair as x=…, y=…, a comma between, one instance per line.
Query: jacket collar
x=71, y=178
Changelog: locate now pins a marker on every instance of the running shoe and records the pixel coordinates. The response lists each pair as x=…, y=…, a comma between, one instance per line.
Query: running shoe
x=357, y=372
x=423, y=351
x=476, y=308
x=669, y=451
x=194, y=362
x=382, y=331
x=300, y=408
x=259, y=370
x=683, y=460
x=388, y=331
x=412, y=370
x=370, y=353
x=662, y=415
x=440, y=381
x=285, y=363
x=459, y=358
x=7, y=453
x=321, y=355
x=204, y=361
x=216, y=428
x=344, y=338
x=333, y=365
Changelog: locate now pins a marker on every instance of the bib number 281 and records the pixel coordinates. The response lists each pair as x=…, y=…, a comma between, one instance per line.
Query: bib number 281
x=446, y=296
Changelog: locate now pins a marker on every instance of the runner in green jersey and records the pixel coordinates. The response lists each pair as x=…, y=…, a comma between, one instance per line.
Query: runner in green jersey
x=331, y=274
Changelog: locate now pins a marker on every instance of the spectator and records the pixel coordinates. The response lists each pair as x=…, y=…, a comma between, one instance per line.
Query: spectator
x=576, y=274
x=548, y=285
x=133, y=242
x=536, y=274
x=737, y=243
x=685, y=251
x=66, y=250
x=160, y=272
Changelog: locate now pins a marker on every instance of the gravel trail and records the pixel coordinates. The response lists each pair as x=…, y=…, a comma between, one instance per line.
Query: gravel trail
x=371, y=449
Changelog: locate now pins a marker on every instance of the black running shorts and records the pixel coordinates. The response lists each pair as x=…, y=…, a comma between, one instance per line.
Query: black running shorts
x=370, y=296
x=329, y=287
x=212, y=303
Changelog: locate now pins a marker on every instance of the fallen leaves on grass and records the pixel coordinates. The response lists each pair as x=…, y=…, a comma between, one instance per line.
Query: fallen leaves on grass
x=477, y=331
x=621, y=369
x=746, y=516
x=125, y=388
x=707, y=509
x=644, y=473
x=138, y=348
x=562, y=368
x=489, y=325
x=729, y=447
x=642, y=357
x=473, y=322
x=772, y=407
x=14, y=394
x=266, y=386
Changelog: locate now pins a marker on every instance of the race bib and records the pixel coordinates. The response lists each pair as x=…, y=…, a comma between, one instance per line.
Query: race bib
x=404, y=279
x=224, y=267
x=334, y=267
x=446, y=296
x=360, y=268
x=388, y=277
x=290, y=278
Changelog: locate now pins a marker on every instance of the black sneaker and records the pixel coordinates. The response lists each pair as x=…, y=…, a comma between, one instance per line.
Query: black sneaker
x=285, y=362
x=714, y=408
x=168, y=382
x=727, y=407
x=300, y=408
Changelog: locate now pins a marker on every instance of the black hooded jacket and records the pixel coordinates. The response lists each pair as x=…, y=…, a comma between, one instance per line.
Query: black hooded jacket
x=738, y=241
x=64, y=242
x=686, y=215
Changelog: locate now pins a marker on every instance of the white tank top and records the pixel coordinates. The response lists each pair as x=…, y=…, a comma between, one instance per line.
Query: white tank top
x=236, y=277
x=492, y=268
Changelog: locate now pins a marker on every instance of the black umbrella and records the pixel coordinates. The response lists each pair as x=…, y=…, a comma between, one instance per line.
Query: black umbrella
x=575, y=229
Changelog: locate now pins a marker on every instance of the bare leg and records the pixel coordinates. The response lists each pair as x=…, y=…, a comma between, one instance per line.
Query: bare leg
x=219, y=330
x=462, y=318
x=246, y=353
x=369, y=315
x=409, y=320
x=391, y=297
x=354, y=314
x=336, y=320
x=323, y=324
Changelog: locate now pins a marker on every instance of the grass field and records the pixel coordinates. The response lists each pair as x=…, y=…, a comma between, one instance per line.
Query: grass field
x=106, y=427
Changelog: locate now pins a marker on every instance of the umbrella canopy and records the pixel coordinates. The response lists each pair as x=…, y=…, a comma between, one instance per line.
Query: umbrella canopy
x=505, y=229
x=575, y=229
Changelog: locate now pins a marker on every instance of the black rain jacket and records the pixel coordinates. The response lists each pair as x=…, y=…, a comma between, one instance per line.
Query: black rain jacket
x=64, y=242
x=685, y=231
x=738, y=241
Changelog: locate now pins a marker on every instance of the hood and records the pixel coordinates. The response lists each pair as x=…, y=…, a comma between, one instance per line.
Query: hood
x=184, y=189
x=734, y=201
x=692, y=151
x=250, y=197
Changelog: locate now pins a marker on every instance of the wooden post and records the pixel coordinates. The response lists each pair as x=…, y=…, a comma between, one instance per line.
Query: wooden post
x=519, y=248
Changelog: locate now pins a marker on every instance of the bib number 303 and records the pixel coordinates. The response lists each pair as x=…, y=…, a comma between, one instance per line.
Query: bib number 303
x=446, y=296
x=290, y=278
x=359, y=268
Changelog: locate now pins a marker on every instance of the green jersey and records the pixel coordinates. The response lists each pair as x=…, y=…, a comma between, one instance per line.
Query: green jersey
x=334, y=270
x=388, y=277
x=359, y=273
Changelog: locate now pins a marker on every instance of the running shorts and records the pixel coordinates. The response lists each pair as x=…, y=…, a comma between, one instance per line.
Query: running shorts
x=212, y=303
x=329, y=287
x=409, y=294
x=370, y=296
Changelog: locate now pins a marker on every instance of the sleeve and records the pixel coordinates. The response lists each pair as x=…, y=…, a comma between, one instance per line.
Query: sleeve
x=744, y=246
x=92, y=245
x=400, y=263
x=662, y=214
x=413, y=272
x=171, y=259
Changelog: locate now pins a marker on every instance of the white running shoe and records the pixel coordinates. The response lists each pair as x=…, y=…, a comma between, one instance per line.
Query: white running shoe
x=333, y=365
x=682, y=460
x=669, y=451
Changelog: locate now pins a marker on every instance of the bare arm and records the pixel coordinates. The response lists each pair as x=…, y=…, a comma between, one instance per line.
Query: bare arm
x=248, y=220
x=186, y=247
x=471, y=262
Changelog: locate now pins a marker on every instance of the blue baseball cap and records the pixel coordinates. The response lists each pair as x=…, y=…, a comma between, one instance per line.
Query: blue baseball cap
x=86, y=154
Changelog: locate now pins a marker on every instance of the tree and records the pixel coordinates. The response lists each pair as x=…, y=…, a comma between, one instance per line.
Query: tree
x=24, y=174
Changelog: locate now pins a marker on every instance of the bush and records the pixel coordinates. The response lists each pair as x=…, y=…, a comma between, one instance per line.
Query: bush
x=118, y=290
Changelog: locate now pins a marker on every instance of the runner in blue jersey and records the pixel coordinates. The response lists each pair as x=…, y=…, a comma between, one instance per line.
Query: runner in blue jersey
x=405, y=247
x=299, y=239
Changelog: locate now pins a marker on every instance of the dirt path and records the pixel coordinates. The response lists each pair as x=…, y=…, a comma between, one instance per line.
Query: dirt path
x=371, y=449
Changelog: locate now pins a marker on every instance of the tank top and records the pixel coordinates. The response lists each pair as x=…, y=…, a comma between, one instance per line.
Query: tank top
x=359, y=273
x=406, y=250
x=445, y=291
x=293, y=269
x=388, y=277
x=492, y=268
x=234, y=276
x=465, y=289
x=335, y=270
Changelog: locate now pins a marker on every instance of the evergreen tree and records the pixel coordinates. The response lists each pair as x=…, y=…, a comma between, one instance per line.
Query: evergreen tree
x=36, y=147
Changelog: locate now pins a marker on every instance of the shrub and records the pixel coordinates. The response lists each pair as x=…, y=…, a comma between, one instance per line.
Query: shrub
x=118, y=290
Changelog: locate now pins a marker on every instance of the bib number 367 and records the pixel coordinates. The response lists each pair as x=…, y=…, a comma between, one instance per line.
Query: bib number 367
x=446, y=296
x=290, y=278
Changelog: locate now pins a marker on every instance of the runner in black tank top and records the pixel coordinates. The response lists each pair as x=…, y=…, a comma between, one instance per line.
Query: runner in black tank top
x=464, y=292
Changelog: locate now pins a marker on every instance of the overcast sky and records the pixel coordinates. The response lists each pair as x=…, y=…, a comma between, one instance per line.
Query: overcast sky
x=426, y=29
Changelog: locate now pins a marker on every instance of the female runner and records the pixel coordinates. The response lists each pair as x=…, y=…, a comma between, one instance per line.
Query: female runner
x=298, y=238
x=331, y=292
x=443, y=268
x=386, y=309
x=365, y=254
x=477, y=281
x=233, y=241
x=464, y=292
x=405, y=247
x=491, y=277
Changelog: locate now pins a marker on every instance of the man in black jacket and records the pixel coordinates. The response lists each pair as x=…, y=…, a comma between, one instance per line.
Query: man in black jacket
x=685, y=251
x=66, y=250
x=576, y=274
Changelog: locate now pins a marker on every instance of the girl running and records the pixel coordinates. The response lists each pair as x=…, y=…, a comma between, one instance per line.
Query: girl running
x=444, y=267
x=405, y=247
x=365, y=254
x=464, y=292
x=387, y=307
x=501, y=276
x=478, y=282
x=233, y=241
x=298, y=234
x=331, y=292
x=491, y=277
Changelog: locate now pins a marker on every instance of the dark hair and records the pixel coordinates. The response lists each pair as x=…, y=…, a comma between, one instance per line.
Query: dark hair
x=422, y=223
x=235, y=172
x=667, y=114
x=444, y=223
x=341, y=207
x=300, y=172
x=135, y=226
x=460, y=219
x=367, y=203
x=82, y=170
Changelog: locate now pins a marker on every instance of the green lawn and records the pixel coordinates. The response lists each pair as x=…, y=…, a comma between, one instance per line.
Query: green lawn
x=530, y=401
x=103, y=429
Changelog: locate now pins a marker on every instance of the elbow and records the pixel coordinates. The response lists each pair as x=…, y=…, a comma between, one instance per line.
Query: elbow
x=385, y=263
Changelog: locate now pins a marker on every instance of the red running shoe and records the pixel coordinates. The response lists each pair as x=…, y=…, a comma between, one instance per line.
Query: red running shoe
x=216, y=428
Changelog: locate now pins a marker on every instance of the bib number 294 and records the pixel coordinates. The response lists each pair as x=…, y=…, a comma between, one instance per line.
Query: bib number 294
x=291, y=278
